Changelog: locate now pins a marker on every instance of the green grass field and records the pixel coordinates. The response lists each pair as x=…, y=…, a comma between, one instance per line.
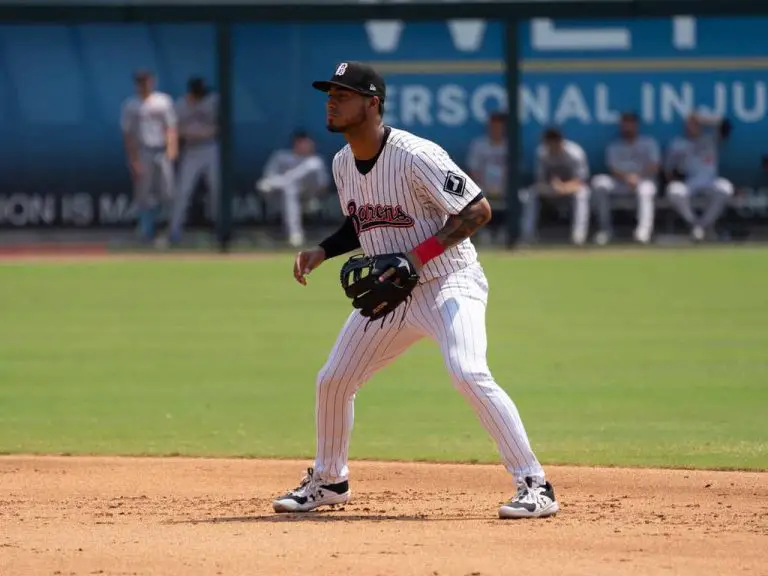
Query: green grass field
x=646, y=358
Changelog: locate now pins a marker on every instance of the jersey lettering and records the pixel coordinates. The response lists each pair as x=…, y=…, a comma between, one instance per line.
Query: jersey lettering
x=369, y=216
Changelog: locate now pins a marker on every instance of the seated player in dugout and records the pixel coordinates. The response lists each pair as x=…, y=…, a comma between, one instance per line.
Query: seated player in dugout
x=691, y=168
x=633, y=161
x=299, y=174
x=561, y=171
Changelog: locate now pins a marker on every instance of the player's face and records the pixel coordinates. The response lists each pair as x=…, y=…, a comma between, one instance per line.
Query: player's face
x=692, y=127
x=628, y=128
x=554, y=147
x=345, y=110
x=304, y=146
x=496, y=130
x=144, y=86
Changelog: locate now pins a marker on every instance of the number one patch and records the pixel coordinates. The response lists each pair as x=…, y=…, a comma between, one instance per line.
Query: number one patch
x=455, y=184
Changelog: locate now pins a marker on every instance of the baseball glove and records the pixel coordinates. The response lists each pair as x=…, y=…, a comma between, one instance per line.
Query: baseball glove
x=361, y=278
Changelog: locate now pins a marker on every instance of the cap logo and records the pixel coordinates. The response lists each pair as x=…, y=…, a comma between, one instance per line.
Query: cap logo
x=372, y=88
x=341, y=69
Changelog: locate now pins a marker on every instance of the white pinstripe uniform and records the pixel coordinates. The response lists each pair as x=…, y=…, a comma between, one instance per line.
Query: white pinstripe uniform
x=404, y=199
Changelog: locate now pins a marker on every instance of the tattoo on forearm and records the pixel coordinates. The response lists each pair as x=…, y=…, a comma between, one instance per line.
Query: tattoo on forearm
x=464, y=224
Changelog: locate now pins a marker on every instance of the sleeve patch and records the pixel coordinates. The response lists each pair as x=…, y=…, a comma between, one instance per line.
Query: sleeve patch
x=455, y=184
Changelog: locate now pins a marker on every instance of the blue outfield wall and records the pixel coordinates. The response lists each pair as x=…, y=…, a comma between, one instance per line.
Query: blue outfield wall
x=61, y=88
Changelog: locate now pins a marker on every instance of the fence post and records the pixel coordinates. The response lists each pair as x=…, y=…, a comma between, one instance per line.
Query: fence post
x=226, y=164
x=512, y=55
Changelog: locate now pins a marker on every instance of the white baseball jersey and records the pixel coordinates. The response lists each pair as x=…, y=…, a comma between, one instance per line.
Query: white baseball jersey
x=697, y=158
x=198, y=119
x=405, y=199
x=633, y=157
x=149, y=119
x=569, y=163
x=488, y=162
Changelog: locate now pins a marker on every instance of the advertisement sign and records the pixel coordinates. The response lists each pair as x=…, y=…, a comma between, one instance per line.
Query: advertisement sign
x=444, y=79
x=62, y=160
x=61, y=151
x=580, y=75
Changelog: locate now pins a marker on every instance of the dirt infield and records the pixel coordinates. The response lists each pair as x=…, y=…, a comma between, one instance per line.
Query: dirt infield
x=110, y=516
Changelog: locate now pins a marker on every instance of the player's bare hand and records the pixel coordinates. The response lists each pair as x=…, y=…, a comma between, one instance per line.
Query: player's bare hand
x=415, y=262
x=558, y=186
x=306, y=261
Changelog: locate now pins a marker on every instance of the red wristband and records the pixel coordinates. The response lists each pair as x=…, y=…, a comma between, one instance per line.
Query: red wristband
x=429, y=249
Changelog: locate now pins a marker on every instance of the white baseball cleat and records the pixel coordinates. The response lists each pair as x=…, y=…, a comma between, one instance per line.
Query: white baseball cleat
x=602, y=238
x=311, y=494
x=642, y=236
x=296, y=239
x=533, y=500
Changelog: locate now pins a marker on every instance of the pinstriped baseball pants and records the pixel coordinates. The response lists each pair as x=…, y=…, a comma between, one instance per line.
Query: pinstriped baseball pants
x=449, y=310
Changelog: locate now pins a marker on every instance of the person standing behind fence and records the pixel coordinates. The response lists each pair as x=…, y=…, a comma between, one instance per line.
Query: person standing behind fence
x=562, y=171
x=197, y=112
x=487, y=158
x=691, y=167
x=633, y=161
x=148, y=122
x=296, y=172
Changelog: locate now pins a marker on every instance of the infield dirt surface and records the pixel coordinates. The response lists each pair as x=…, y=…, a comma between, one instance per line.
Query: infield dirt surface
x=179, y=516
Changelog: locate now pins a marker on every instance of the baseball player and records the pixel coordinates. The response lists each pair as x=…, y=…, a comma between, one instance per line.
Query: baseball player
x=562, y=170
x=633, y=160
x=404, y=196
x=691, y=166
x=197, y=112
x=294, y=173
x=487, y=158
x=148, y=122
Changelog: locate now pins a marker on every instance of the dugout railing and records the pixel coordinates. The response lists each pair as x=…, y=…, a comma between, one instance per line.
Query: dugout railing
x=224, y=14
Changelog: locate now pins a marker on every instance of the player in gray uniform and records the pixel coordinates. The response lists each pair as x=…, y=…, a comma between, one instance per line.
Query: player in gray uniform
x=561, y=170
x=691, y=166
x=198, y=113
x=487, y=158
x=633, y=161
x=295, y=173
x=148, y=122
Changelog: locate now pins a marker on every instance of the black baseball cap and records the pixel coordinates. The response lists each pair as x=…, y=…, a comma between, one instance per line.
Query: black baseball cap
x=355, y=76
x=196, y=85
x=143, y=74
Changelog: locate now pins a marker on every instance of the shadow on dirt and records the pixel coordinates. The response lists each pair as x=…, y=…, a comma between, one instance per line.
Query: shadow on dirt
x=327, y=517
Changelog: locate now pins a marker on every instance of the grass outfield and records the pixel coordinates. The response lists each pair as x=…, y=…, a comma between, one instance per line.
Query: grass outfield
x=651, y=358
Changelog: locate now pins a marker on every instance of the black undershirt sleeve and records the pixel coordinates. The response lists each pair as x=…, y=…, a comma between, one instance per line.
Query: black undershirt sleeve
x=342, y=241
x=476, y=199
